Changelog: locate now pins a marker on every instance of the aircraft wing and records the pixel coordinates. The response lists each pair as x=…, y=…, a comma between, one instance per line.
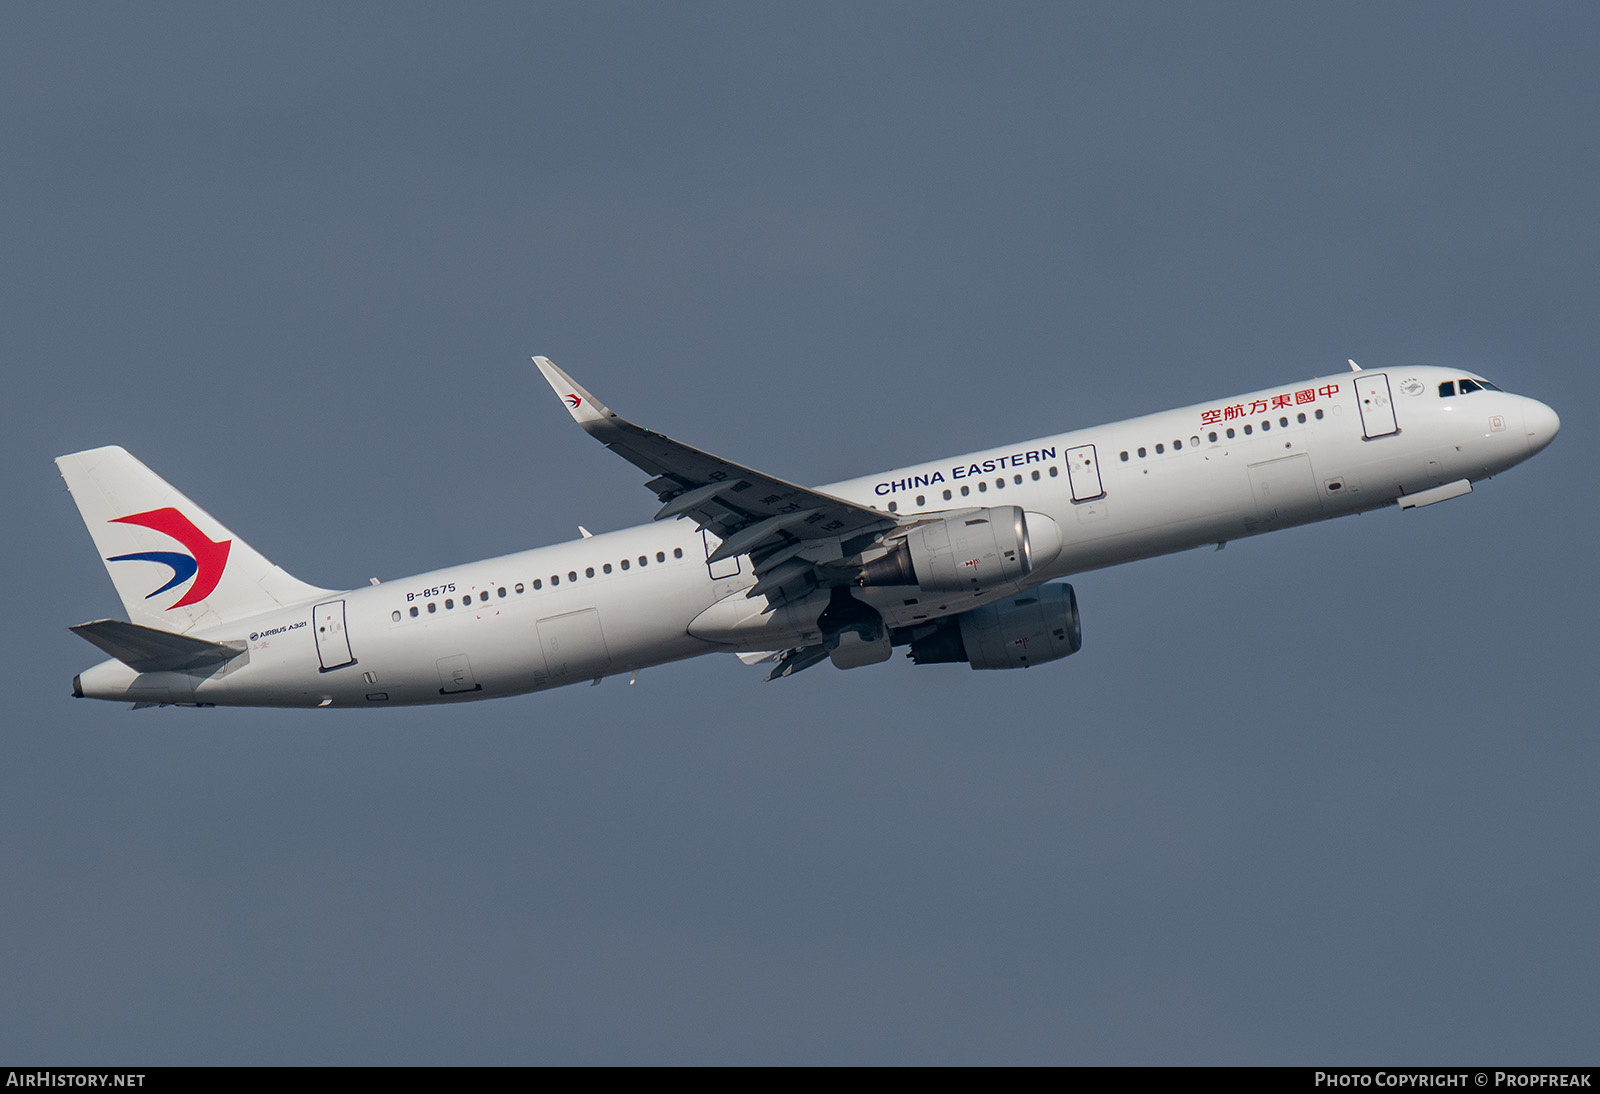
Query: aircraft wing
x=794, y=535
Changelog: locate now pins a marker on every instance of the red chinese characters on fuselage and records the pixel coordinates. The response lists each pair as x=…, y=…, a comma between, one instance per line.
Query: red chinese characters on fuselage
x=1238, y=411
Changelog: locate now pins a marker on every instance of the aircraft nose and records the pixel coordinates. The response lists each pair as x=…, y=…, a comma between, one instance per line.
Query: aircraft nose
x=1542, y=425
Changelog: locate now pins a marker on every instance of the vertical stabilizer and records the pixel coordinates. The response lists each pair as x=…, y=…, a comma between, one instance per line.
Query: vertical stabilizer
x=176, y=568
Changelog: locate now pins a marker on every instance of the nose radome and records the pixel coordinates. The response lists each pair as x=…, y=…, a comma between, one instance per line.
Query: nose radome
x=1542, y=425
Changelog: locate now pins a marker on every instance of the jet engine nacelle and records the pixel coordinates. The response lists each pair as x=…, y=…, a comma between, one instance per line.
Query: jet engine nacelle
x=970, y=553
x=1041, y=625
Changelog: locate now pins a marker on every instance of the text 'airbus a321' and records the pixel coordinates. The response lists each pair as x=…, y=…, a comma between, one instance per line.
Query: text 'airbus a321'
x=956, y=558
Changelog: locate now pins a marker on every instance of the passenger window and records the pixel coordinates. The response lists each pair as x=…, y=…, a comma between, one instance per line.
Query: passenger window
x=1194, y=442
x=1212, y=437
x=1230, y=434
x=1054, y=471
x=413, y=611
x=395, y=615
x=1017, y=479
x=999, y=484
x=1284, y=422
x=1265, y=425
x=894, y=507
x=1124, y=457
x=1141, y=453
x=572, y=575
x=1036, y=476
x=555, y=579
x=483, y=597
x=661, y=556
x=432, y=607
x=677, y=552
x=643, y=561
x=1447, y=389
x=624, y=564
x=965, y=490
x=588, y=572
x=537, y=584
x=1177, y=446
x=983, y=488
x=1319, y=415
x=606, y=568
x=1301, y=417
x=1160, y=448
x=502, y=593
x=922, y=499
x=449, y=603
x=518, y=587
x=947, y=495
x=1247, y=431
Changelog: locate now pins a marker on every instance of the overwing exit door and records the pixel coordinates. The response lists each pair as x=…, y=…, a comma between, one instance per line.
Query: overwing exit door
x=728, y=567
x=1083, y=472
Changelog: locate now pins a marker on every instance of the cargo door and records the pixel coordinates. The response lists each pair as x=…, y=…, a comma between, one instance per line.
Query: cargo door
x=1285, y=492
x=455, y=675
x=574, y=647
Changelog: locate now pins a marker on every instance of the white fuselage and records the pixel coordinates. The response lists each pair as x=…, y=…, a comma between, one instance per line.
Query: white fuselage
x=643, y=596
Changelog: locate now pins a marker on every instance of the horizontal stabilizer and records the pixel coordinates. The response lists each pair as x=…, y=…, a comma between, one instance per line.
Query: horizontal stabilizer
x=145, y=649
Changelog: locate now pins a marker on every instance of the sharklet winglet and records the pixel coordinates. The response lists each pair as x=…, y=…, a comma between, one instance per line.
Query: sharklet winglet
x=585, y=409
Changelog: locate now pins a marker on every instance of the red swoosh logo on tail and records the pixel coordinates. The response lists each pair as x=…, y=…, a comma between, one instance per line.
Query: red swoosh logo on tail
x=210, y=556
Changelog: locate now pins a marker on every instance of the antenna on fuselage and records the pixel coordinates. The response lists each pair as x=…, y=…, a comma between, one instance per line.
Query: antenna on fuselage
x=1354, y=367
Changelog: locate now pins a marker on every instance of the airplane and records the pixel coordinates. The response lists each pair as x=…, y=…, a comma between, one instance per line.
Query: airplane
x=958, y=559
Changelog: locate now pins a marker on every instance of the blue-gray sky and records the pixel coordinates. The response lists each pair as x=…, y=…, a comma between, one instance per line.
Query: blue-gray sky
x=1328, y=796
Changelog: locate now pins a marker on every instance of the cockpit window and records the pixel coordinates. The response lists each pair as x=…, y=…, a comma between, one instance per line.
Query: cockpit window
x=1448, y=388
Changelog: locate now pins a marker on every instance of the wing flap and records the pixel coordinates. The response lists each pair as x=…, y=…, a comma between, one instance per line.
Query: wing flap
x=797, y=660
x=686, y=499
